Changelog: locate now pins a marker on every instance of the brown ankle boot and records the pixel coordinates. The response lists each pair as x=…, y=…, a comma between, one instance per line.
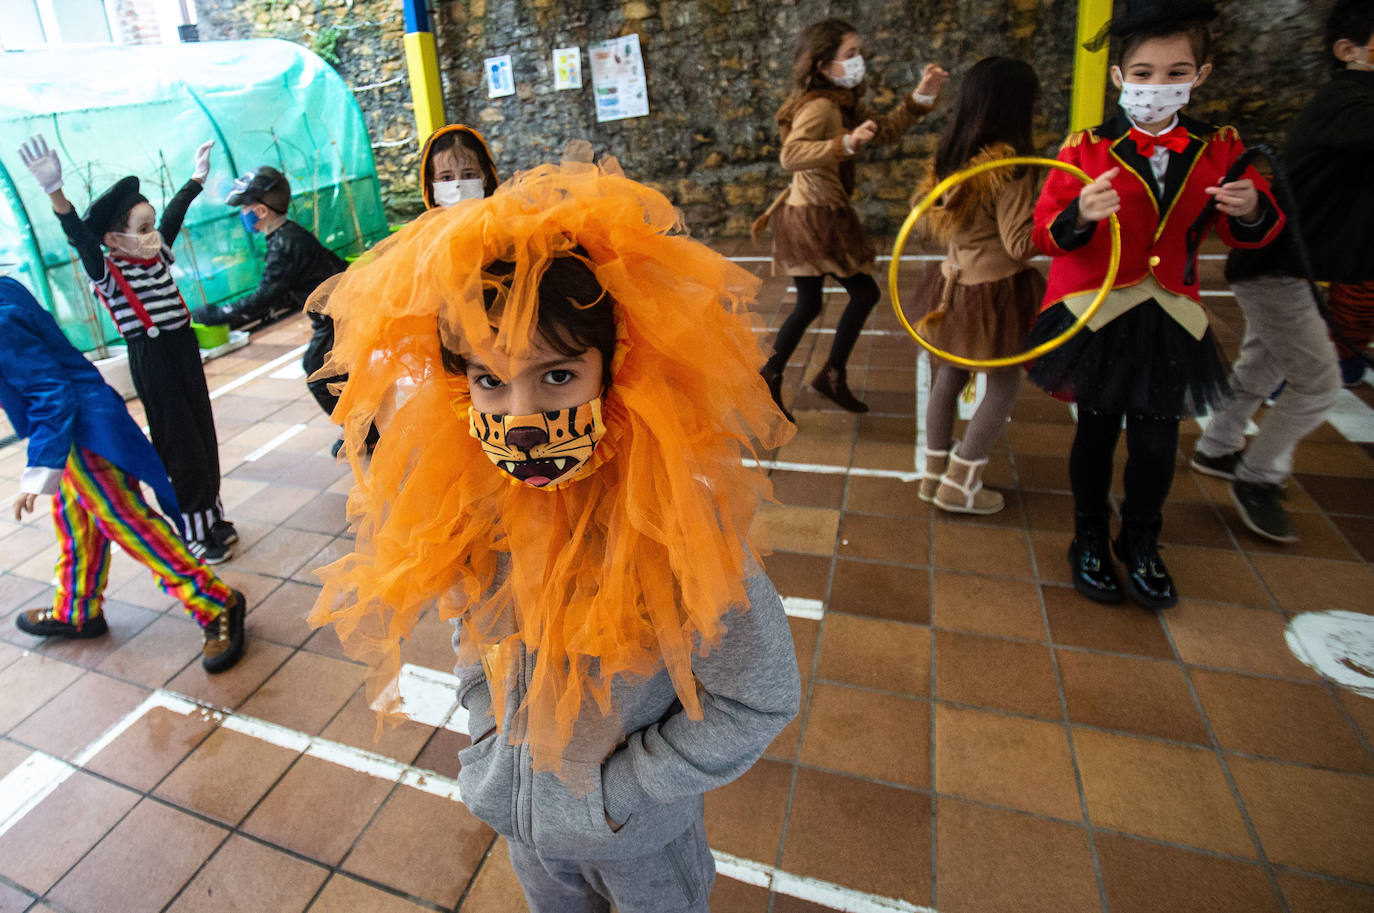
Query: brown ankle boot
x=961, y=488
x=831, y=384
x=936, y=462
x=774, y=381
x=224, y=636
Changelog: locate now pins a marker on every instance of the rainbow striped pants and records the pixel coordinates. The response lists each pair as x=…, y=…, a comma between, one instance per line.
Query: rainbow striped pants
x=97, y=504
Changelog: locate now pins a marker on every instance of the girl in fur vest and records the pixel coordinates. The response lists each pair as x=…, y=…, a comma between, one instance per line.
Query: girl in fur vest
x=824, y=125
x=980, y=302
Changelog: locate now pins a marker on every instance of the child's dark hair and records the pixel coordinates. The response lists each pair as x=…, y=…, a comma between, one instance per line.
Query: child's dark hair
x=452, y=139
x=818, y=44
x=1352, y=20
x=1198, y=34
x=575, y=313
x=996, y=105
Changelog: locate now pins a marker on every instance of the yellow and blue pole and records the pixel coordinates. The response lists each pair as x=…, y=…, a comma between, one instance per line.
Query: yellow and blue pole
x=422, y=64
x=1089, y=67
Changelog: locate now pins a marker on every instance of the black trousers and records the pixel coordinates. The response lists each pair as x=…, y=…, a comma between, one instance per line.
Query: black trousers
x=863, y=295
x=1151, y=445
x=170, y=381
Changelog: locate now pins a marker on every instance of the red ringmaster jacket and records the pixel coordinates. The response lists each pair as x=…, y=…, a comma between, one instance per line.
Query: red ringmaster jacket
x=1154, y=222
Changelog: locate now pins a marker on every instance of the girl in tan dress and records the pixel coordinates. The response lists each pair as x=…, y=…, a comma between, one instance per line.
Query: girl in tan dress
x=824, y=125
x=981, y=300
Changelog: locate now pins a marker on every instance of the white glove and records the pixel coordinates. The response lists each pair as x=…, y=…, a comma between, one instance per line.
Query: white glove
x=202, y=169
x=42, y=163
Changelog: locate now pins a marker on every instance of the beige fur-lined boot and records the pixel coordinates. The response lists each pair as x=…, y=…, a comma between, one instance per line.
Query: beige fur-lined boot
x=936, y=461
x=961, y=488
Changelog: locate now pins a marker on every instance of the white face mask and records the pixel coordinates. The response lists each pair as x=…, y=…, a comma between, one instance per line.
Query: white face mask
x=446, y=193
x=853, y=72
x=1145, y=103
x=142, y=247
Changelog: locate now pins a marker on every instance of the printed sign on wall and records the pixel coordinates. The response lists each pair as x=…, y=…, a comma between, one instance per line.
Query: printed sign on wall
x=567, y=68
x=500, y=76
x=618, y=79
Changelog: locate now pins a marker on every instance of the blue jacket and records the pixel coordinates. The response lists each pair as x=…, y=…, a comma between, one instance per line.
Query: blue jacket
x=56, y=398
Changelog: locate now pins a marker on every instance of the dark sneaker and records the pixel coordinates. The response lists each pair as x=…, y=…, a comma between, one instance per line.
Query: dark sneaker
x=1259, y=507
x=1223, y=467
x=209, y=551
x=338, y=445
x=223, y=532
x=224, y=636
x=41, y=623
x=1352, y=372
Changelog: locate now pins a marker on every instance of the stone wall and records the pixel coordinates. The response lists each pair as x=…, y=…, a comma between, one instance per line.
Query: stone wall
x=717, y=70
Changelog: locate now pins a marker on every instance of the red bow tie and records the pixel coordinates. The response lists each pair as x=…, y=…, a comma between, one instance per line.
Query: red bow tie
x=1175, y=140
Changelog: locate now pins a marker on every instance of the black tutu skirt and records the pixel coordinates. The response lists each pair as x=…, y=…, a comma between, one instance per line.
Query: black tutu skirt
x=1142, y=362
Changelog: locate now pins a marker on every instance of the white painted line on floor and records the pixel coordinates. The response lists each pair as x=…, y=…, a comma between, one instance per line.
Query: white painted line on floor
x=1352, y=417
x=276, y=442
x=1338, y=646
x=827, y=469
x=427, y=696
x=28, y=784
x=257, y=372
x=1217, y=294
x=797, y=607
x=812, y=890
x=293, y=371
x=831, y=289
x=831, y=330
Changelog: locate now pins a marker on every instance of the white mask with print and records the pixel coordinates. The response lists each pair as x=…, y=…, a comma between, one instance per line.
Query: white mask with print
x=1146, y=103
x=853, y=72
x=142, y=246
x=446, y=193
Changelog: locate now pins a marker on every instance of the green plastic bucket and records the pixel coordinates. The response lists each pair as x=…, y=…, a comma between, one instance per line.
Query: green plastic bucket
x=210, y=337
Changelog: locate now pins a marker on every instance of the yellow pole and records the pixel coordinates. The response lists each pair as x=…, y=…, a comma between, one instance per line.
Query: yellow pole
x=1089, y=67
x=422, y=65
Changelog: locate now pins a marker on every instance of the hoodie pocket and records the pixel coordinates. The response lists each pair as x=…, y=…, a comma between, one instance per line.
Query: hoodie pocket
x=486, y=779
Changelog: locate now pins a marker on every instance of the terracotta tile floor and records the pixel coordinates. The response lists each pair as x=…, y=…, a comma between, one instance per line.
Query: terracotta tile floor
x=974, y=736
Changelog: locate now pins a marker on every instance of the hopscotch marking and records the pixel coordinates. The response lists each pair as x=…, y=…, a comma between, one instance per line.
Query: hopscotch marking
x=276, y=442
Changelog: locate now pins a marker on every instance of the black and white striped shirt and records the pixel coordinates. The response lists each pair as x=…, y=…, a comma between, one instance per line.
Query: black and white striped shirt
x=152, y=282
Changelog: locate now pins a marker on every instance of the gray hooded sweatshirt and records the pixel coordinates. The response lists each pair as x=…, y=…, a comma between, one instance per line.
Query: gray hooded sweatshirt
x=650, y=768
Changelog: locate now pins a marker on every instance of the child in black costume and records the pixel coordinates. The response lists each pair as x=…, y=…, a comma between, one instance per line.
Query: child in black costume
x=135, y=283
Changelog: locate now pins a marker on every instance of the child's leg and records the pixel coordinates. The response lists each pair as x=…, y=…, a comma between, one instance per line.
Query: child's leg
x=1151, y=446
x=112, y=499
x=863, y=295
x=552, y=886
x=990, y=419
x=1090, y=462
x=941, y=409
x=316, y=352
x=171, y=383
x=84, y=564
x=677, y=877
x=806, y=309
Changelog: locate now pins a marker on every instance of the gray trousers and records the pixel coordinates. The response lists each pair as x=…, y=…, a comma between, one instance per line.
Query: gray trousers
x=676, y=878
x=1285, y=339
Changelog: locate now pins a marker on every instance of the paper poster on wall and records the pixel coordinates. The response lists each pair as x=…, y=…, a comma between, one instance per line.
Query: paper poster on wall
x=618, y=79
x=500, y=76
x=567, y=68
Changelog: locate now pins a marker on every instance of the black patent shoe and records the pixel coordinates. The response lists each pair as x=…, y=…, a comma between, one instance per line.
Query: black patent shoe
x=774, y=381
x=1094, y=574
x=1147, y=580
x=831, y=384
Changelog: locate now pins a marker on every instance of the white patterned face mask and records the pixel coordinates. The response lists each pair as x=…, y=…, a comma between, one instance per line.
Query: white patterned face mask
x=1147, y=103
x=853, y=72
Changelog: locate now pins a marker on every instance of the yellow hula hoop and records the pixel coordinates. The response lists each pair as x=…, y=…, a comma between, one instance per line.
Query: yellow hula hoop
x=940, y=190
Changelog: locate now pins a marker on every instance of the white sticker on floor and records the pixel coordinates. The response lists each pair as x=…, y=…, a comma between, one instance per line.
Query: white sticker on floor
x=1339, y=646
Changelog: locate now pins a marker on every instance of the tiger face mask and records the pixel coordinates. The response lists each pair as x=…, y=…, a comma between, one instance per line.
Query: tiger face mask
x=545, y=450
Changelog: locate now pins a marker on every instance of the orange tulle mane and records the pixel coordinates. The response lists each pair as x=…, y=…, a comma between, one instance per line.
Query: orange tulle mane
x=625, y=572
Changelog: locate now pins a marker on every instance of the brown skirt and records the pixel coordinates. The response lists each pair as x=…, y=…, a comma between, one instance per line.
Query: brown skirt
x=988, y=320
x=814, y=240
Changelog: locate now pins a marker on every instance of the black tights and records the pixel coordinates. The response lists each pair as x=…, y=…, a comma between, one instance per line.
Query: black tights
x=863, y=295
x=1151, y=445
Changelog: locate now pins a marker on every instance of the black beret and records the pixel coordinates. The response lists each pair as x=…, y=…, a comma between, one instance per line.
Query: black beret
x=109, y=210
x=1152, y=15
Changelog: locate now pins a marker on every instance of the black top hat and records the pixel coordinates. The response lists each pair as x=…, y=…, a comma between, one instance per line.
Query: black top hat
x=107, y=212
x=250, y=186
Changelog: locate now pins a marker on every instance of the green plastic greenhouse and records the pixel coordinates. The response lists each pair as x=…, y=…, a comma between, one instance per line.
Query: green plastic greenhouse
x=112, y=111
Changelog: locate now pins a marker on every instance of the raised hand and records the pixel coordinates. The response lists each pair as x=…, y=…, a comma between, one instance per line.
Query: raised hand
x=202, y=168
x=933, y=79
x=862, y=135
x=1098, y=201
x=42, y=163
